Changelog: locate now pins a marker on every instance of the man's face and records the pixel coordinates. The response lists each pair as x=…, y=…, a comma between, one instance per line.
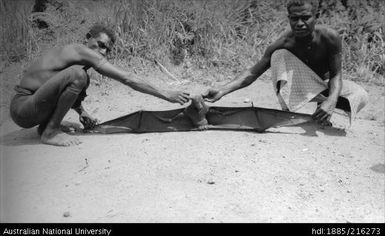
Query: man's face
x=101, y=44
x=302, y=20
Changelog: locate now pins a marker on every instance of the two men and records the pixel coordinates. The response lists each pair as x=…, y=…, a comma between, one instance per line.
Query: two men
x=305, y=63
x=306, y=66
x=57, y=81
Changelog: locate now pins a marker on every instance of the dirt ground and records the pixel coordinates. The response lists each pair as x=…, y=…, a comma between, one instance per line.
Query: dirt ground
x=296, y=174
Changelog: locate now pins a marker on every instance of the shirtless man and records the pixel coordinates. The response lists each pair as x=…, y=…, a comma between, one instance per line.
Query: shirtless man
x=318, y=47
x=57, y=81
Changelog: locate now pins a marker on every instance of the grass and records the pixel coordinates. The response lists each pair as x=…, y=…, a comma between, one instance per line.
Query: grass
x=223, y=36
x=17, y=39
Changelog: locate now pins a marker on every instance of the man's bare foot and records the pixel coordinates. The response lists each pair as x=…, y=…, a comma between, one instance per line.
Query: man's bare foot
x=57, y=138
x=63, y=128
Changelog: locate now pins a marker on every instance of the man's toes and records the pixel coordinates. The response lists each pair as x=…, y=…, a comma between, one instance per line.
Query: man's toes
x=75, y=142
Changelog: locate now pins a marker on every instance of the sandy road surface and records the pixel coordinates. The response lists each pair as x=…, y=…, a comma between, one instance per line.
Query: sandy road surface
x=283, y=175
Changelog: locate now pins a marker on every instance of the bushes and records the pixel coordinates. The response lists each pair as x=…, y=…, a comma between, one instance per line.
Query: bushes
x=214, y=33
x=225, y=33
x=361, y=25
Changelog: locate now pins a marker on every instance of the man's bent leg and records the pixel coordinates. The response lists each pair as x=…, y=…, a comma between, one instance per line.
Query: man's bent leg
x=294, y=82
x=52, y=133
x=54, y=99
x=298, y=84
x=342, y=103
x=352, y=96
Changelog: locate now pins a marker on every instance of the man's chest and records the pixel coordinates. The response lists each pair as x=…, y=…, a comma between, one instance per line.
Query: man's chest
x=315, y=57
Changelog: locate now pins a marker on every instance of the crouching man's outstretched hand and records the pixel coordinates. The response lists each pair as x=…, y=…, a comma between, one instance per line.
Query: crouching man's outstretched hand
x=178, y=97
x=212, y=95
x=87, y=121
x=324, y=111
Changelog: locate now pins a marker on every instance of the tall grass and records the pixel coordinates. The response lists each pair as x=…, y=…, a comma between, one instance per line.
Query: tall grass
x=224, y=35
x=221, y=34
x=362, y=27
x=17, y=39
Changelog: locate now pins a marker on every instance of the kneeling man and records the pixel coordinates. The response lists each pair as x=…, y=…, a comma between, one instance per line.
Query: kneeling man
x=306, y=66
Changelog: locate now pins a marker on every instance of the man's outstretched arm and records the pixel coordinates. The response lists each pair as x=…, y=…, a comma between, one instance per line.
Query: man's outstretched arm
x=85, y=56
x=325, y=110
x=107, y=69
x=246, y=78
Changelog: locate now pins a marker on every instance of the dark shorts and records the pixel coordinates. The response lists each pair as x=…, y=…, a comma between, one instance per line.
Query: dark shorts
x=23, y=109
x=30, y=108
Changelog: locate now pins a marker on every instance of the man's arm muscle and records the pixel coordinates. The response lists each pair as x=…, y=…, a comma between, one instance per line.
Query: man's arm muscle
x=325, y=110
x=335, y=64
x=253, y=73
x=79, y=54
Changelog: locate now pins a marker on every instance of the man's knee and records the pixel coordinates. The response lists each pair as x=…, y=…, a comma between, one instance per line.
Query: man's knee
x=364, y=98
x=280, y=53
x=79, y=79
x=364, y=94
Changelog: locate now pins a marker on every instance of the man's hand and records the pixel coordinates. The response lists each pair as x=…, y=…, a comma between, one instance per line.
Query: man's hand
x=212, y=95
x=324, y=111
x=178, y=97
x=87, y=121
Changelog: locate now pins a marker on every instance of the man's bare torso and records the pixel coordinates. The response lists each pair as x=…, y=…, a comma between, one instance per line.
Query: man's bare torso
x=46, y=66
x=315, y=53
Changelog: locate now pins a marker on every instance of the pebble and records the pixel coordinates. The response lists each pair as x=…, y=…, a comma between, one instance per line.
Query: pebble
x=66, y=214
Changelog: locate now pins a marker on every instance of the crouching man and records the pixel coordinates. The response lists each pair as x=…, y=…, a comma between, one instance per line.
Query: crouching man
x=57, y=82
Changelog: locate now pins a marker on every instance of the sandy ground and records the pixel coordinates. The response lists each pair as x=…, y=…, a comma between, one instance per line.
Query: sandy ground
x=283, y=175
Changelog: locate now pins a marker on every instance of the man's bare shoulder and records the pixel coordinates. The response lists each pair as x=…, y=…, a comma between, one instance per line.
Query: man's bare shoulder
x=73, y=48
x=327, y=33
x=78, y=54
x=281, y=42
x=64, y=51
x=284, y=38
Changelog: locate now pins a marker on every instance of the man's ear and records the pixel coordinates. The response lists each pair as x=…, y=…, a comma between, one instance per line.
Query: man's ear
x=88, y=35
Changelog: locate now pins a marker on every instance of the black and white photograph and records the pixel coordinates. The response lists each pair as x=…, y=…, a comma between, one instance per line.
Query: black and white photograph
x=192, y=111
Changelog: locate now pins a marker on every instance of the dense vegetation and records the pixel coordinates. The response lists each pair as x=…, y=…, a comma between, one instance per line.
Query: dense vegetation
x=218, y=34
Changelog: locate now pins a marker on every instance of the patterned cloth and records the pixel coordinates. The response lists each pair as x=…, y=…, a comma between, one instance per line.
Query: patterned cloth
x=296, y=84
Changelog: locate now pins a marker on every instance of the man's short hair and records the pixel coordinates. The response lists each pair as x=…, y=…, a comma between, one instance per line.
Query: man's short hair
x=98, y=28
x=313, y=3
